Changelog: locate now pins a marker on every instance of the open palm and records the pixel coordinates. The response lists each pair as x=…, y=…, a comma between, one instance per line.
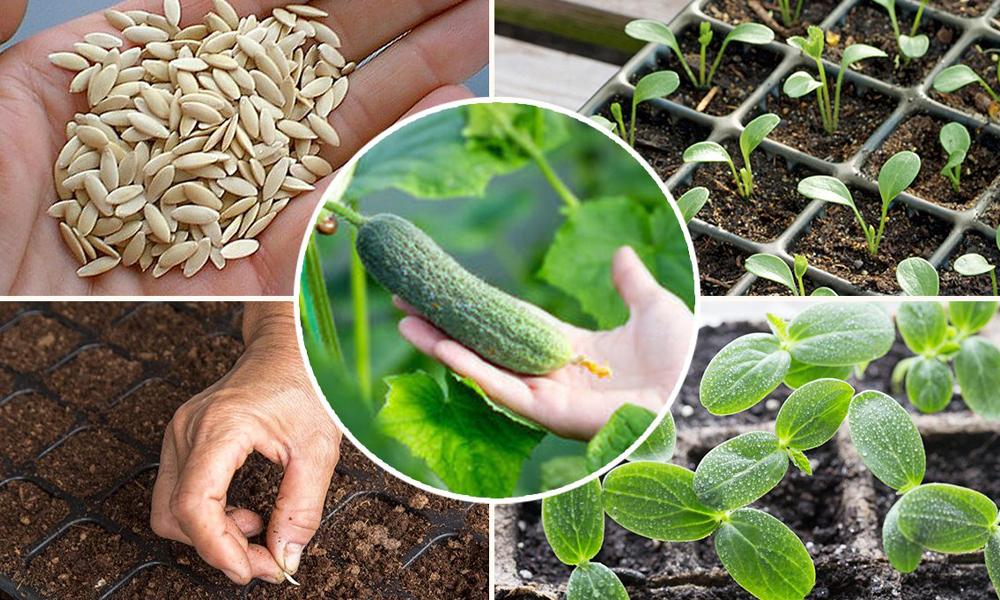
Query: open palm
x=646, y=356
x=446, y=41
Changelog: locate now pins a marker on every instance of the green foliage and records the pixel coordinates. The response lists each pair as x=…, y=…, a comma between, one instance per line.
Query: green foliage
x=691, y=202
x=947, y=518
x=740, y=471
x=751, y=137
x=929, y=383
x=974, y=265
x=956, y=142
x=594, y=580
x=887, y=440
x=744, y=373
x=626, y=425
x=904, y=555
x=574, y=523
x=773, y=268
x=923, y=326
x=660, y=445
x=969, y=317
x=910, y=46
x=790, y=16
x=993, y=559
x=977, y=368
x=812, y=414
x=959, y=76
x=655, y=85
x=918, y=277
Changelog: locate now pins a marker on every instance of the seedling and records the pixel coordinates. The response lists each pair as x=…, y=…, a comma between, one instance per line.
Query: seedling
x=649, y=30
x=918, y=277
x=910, y=46
x=975, y=265
x=956, y=142
x=946, y=349
x=957, y=77
x=773, y=268
x=788, y=16
x=895, y=176
x=801, y=83
x=655, y=85
x=691, y=202
x=750, y=139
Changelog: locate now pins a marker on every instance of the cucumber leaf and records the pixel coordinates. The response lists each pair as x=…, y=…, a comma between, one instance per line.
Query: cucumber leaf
x=929, y=384
x=904, y=555
x=923, y=325
x=887, y=440
x=977, y=367
x=489, y=125
x=770, y=267
x=812, y=414
x=743, y=373
x=657, y=501
x=918, y=277
x=574, y=523
x=562, y=470
x=800, y=373
x=841, y=334
x=993, y=559
x=969, y=317
x=473, y=449
x=593, y=580
x=740, y=471
x=626, y=425
x=947, y=518
x=764, y=556
x=660, y=445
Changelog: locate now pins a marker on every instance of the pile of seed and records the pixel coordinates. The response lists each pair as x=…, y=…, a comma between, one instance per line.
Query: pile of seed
x=196, y=138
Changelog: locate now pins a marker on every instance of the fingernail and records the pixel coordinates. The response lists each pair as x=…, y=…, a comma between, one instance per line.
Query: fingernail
x=293, y=553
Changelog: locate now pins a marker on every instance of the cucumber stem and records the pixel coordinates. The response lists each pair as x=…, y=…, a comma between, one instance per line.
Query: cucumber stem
x=602, y=371
x=362, y=347
x=346, y=212
x=315, y=288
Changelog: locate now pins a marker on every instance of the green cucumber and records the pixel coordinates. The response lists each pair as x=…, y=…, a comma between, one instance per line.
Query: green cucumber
x=500, y=328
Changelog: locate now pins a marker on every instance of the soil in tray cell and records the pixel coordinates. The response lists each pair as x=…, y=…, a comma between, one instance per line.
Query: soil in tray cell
x=735, y=12
x=450, y=570
x=720, y=265
x=81, y=563
x=861, y=113
x=94, y=377
x=88, y=462
x=27, y=513
x=921, y=134
x=145, y=412
x=159, y=582
x=130, y=504
x=34, y=342
x=30, y=423
x=766, y=287
x=971, y=460
x=772, y=208
x=205, y=361
x=991, y=214
x=868, y=23
x=743, y=68
x=96, y=316
x=981, y=57
x=962, y=8
x=836, y=244
x=156, y=332
x=948, y=582
x=953, y=284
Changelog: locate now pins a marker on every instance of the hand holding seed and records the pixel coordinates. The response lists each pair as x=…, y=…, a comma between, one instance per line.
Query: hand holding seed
x=646, y=356
x=265, y=404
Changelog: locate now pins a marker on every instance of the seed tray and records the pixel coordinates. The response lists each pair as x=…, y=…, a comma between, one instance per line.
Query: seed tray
x=958, y=225
x=98, y=510
x=837, y=513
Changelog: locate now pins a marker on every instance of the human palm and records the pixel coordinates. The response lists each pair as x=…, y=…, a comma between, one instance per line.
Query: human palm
x=447, y=41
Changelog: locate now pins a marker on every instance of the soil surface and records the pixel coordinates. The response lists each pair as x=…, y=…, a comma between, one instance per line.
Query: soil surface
x=768, y=13
x=836, y=244
x=40, y=420
x=991, y=214
x=771, y=209
x=720, y=265
x=953, y=284
x=921, y=134
x=870, y=24
x=743, y=68
x=861, y=113
x=962, y=8
x=973, y=99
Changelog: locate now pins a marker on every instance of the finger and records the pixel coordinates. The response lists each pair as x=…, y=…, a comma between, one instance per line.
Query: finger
x=634, y=282
x=298, y=510
x=249, y=523
x=262, y=564
x=11, y=17
x=404, y=306
x=442, y=95
x=161, y=519
x=421, y=334
x=501, y=386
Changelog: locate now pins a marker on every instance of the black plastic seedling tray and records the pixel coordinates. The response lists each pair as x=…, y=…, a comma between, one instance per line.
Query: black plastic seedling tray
x=906, y=102
x=440, y=520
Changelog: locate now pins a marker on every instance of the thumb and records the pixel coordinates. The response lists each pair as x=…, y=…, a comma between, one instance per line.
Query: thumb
x=634, y=282
x=11, y=17
x=298, y=510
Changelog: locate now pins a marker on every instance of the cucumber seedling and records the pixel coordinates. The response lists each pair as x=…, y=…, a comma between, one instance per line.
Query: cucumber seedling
x=691, y=202
x=976, y=265
x=910, y=46
x=773, y=268
x=959, y=76
x=650, y=30
x=946, y=350
x=790, y=16
x=751, y=137
x=655, y=85
x=893, y=178
x=918, y=277
x=801, y=83
x=956, y=142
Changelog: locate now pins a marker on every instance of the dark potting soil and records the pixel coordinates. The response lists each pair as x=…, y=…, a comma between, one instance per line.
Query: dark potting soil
x=27, y=513
x=870, y=24
x=835, y=243
x=973, y=99
x=207, y=362
x=158, y=582
x=34, y=342
x=743, y=68
x=424, y=578
x=953, y=284
x=768, y=13
x=962, y=8
x=720, y=265
x=96, y=316
x=991, y=214
x=82, y=562
x=861, y=113
x=921, y=134
x=39, y=421
x=94, y=374
x=145, y=411
x=949, y=581
x=88, y=462
x=156, y=332
x=772, y=208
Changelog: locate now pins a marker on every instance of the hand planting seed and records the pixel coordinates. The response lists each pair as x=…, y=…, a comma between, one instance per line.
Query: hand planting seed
x=893, y=178
x=910, y=46
x=974, y=265
x=654, y=85
x=751, y=137
x=196, y=138
x=918, y=277
x=691, y=202
x=649, y=30
x=801, y=83
x=956, y=142
x=773, y=268
x=959, y=76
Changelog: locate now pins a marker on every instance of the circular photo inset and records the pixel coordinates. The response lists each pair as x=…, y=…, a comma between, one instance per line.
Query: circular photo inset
x=498, y=300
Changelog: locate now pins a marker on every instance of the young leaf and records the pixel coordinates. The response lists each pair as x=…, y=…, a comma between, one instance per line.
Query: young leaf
x=858, y=52
x=743, y=373
x=770, y=267
x=956, y=141
x=801, y=264
x=649, y=30
x=827, y=189
x=741, y=470
x=918, y=277
x=993, y=559
x=799, y=84
x=823, y=292
x=955, y=78
x=812, y=45
x=887, y=440
x=977, y=367
x=756, y=131
x=655, y=85
x=691, y=202
x=947, y=518
x=764, y=556
x=707, y=152
x=800, y=460
x=973, y=264
x=929, y=384
x=897, y=174
x=839, y=334
x=594, y=580
x=801, y=373
x=659, y=446
x=574, y=523
x=750, y=33
x=914, y=47
x=603, y=123
x=657, y=501
x=923, y=325
x=812, y=414
x=904, y=555
x=968, y=317
x=626, y=425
